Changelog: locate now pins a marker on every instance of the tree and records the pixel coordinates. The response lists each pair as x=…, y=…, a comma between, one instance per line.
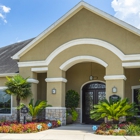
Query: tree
x=113, y=111
x=19, y=87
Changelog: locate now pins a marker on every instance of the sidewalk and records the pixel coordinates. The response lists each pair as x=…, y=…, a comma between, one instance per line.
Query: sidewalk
x=70, y=132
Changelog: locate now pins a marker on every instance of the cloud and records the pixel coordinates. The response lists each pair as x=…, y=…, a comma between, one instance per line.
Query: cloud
x=3, y=11
x=128, y=11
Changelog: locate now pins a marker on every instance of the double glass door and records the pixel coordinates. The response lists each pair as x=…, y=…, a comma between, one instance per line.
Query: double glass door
x=92, y=94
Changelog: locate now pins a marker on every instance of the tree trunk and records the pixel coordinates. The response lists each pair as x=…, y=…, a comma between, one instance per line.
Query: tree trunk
x=18, y=110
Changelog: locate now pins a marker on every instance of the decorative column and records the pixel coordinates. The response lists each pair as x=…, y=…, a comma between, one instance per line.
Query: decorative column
x=56, y=98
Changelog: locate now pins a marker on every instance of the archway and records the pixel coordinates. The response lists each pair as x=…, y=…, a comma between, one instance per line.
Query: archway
x=92, y=93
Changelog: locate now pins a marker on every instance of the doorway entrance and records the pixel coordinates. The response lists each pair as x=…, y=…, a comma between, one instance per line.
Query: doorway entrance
x=92, y=93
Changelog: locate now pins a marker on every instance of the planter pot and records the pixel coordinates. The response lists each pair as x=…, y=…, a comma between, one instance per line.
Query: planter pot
x=69, y=119
x=105, y=120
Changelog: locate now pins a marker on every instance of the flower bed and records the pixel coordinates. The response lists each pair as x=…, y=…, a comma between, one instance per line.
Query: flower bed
x=118, y=129
x=31, y=127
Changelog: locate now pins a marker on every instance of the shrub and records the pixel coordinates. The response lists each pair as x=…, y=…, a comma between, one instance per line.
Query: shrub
x=133, y=130
x=72, y=101
x=112, y=111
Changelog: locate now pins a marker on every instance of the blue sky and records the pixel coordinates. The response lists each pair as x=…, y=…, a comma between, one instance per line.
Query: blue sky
x=24, y=19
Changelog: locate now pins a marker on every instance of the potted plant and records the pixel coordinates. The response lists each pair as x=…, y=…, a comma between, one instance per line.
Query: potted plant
x=71, y=102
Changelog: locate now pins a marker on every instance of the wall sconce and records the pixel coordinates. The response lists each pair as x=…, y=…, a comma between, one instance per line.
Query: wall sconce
x=114, y=89
x=90, y=77
x=53, y=91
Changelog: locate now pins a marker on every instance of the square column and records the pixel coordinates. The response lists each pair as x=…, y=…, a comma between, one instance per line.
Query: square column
x=117, y=81
x=56, y=99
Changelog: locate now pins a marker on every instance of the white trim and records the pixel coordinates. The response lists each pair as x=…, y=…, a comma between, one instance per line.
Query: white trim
x=90, y=41
x=131, y=65
x=114, y=77
x=55, y=107
x=39, y=70
x=56, y=80
x=31, y=80
x=78, y=59
x=99, y=43
x=3, y=88
x=32, y=63
x=8, y=74
x=67, y=16
x=82, y=93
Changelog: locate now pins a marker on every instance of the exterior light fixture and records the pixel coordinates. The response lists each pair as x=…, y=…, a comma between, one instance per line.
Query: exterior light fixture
x=53, y=91
x=114, y=89
x=92, y=77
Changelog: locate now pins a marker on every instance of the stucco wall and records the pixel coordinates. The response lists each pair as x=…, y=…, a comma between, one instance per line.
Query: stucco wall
x=133, y=76
x=85, y=24
x=114, y=63
x=2, y=81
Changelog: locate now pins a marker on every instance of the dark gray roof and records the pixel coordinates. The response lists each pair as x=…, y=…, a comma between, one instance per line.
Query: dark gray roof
x=7, y=64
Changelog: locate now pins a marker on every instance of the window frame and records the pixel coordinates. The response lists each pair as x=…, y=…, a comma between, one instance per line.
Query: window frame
x=2, y=88
x=133, y=88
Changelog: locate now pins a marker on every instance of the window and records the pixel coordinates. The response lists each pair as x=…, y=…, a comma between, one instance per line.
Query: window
x=135, y=92
x=5, y=103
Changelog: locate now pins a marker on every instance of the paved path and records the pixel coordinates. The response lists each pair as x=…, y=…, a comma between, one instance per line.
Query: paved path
x=70, y=132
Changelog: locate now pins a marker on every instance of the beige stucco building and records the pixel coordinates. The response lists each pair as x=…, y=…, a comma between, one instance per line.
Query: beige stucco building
x=84, y=42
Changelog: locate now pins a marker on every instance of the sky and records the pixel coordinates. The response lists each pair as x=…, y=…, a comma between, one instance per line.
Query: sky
x=24, y=19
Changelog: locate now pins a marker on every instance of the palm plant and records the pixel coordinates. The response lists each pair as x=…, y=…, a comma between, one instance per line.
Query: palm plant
x=113, y=111
x=35, y=109
x=19, y=87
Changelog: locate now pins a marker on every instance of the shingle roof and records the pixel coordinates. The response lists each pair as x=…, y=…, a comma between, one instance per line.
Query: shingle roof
x=7, y=64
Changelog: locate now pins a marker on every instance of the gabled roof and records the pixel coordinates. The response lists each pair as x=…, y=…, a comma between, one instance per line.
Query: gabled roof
x=67, y=16
x=7, y=64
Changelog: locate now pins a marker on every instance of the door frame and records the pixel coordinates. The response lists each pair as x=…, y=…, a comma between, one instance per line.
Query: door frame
x=81, y=105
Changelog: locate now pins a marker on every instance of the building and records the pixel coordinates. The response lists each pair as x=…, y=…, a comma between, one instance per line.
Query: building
x=85, y=43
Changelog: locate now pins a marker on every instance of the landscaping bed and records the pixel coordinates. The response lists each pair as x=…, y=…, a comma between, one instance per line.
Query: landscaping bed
x=121, y=129
x=30, y=127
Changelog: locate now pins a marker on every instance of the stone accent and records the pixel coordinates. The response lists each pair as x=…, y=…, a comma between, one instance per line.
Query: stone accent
x=9, y=117
x=13, y=116
x=56, y=113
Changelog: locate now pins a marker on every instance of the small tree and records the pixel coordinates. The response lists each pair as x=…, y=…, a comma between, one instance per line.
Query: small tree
x=19, y=87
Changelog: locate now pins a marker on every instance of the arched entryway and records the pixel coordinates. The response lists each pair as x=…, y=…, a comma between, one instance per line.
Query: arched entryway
x=92, y=93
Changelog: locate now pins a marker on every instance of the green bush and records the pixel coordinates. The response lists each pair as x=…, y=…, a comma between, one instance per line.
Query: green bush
x=133, y=130
x=112, y=111
x=71, y=102
x=72, y=99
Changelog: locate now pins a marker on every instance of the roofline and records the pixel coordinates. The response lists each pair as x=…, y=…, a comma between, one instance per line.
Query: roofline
x=67, y=16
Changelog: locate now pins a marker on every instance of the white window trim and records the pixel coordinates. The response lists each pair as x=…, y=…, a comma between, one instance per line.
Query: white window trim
x=3, y=88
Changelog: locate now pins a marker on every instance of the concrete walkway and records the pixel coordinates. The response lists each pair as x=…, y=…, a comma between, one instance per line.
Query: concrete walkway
x=69, y=132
